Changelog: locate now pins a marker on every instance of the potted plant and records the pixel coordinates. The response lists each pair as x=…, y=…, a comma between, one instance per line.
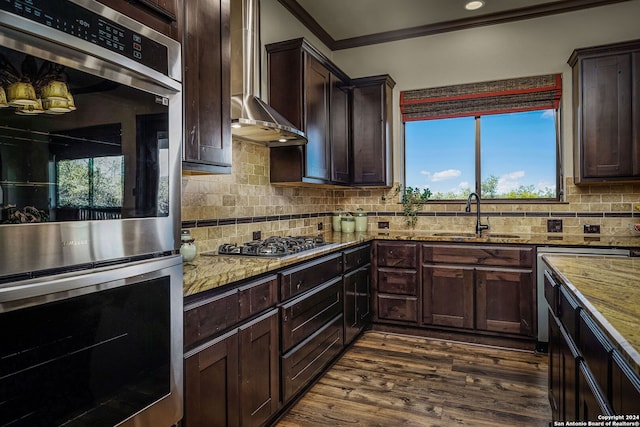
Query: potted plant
x=412, y=200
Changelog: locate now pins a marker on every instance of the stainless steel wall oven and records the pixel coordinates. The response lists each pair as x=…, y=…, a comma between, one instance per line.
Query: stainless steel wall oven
x=90, y=283
x=101, y=181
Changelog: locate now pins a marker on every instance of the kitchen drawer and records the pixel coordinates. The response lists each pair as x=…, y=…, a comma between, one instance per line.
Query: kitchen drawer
x=625, y=386
x=258, y=296
x=356, y=258
x=397, y=308
x=298, y=279
x=397, y=281
x=501, y=256
x=304, y=315
x=398, y=255
x=568, y=313
x=551, y=292
x=210, y=316
x=596, y=351
x=308, y=359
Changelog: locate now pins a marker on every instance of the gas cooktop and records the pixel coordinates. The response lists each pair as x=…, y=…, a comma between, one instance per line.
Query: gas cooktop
x=273, y=246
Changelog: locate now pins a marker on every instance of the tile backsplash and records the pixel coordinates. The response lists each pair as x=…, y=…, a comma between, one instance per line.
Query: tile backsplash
x=229, y=208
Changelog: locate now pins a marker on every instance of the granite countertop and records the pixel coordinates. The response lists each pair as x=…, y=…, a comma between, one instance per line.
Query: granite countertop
x=208, y=271
x=608, y=288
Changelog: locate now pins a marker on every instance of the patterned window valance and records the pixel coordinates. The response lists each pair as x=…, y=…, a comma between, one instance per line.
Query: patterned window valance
x=477, y=99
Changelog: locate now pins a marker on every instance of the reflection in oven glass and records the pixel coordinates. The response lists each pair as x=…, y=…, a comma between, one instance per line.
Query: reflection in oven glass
x=92, y=360
x=104, y=157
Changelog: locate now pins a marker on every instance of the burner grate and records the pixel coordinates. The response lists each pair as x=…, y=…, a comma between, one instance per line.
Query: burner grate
x=273, y=246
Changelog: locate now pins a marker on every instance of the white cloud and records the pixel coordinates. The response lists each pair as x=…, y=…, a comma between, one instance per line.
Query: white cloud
x=446, y=174
x=509, y=181
x=427, y=173
x=548, y=114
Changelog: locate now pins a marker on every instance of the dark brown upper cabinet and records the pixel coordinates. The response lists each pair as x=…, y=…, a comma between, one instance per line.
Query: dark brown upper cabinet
x=161, y=15
x=372, y=131
x=314, y=95
x=606, y=107
x=206, y=50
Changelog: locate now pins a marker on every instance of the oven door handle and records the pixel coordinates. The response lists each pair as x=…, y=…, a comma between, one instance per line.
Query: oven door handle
x=26, y=293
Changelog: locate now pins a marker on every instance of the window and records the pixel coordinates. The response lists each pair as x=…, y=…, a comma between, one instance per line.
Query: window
x=496, y=138
x=90, y=183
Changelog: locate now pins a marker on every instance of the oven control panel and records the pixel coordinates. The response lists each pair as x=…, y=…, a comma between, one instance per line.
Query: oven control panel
x=84, y=24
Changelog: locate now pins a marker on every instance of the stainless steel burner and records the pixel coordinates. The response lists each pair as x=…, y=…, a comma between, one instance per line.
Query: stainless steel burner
x=273, y=246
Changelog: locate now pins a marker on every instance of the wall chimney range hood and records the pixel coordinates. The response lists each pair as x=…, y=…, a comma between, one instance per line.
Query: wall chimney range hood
x=252, y=119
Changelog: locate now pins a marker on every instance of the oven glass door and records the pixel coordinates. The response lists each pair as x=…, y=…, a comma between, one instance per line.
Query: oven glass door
x=85, y=148
x=90, y=360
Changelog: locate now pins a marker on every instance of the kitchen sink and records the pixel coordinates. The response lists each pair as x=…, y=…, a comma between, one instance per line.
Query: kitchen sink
x=504, y=236
x=456, y=235
x=461, y=235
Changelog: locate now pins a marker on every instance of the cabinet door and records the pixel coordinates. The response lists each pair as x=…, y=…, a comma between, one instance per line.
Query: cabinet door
x=606, y=126
x=563, y=373
x=447, y=296
x=504, y=301
x=356, y=302
x=207, y=86
x=317, y=90
x=340, y=125
x=372, y=131
x=211, y=384
x=592, y=402
x=625, y=387
x=259, y=370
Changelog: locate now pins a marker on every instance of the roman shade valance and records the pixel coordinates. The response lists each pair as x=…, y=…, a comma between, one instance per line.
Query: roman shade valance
x=477, y=99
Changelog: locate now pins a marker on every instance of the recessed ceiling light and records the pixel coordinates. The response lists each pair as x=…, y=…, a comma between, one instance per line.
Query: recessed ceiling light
x=473, y=5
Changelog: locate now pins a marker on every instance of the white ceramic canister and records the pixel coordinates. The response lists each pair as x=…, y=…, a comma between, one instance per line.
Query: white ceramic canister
x=336, y=220
x=360, y=217
x=348, y=224
x=187, y=246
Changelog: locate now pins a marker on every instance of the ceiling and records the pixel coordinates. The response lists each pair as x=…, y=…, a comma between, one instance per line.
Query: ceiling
x=344, y=24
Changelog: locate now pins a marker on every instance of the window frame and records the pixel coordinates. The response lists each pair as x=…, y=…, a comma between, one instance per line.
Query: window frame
x=477, y=187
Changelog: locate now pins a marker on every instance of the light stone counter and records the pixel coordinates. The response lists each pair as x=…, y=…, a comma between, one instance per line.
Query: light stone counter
x=608, y=288
x=209, y=271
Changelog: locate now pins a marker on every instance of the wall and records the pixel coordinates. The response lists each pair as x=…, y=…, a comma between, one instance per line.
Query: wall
x=223, y=209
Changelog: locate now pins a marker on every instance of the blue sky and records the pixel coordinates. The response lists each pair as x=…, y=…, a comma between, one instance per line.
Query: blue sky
x=519, y=148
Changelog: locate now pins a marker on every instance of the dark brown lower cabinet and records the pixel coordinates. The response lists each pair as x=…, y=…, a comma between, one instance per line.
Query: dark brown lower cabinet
x=447, y=296
x=563, y=373
x=356, y=302
x=504, y=301
x=625, y=386
x=487, y=288
x=588, y=376
x=211, y=384
x=232, y=380
x=592, y=402
x=308, y=359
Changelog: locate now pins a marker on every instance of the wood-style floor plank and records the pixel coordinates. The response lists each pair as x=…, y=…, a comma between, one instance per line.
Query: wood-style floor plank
x=387, y=380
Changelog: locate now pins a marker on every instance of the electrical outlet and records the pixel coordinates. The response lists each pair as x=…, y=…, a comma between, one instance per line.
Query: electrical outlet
x=591, y=229
x=320, y=226
x=257, y=235
x=554, y=226
x=383, y=224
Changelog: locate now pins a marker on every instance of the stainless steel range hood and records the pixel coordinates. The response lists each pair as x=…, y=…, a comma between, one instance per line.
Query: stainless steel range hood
x=251, y=118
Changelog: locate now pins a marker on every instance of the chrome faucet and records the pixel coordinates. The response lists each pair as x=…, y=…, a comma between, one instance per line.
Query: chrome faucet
x=479, y=225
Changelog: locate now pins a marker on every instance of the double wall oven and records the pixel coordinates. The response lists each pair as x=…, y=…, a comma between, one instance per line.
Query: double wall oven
x=90, y=283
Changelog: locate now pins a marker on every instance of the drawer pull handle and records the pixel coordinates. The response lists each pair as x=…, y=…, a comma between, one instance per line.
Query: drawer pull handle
x=298, y=285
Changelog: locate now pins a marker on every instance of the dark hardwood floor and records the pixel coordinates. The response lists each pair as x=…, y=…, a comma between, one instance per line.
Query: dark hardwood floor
x=390, y=380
